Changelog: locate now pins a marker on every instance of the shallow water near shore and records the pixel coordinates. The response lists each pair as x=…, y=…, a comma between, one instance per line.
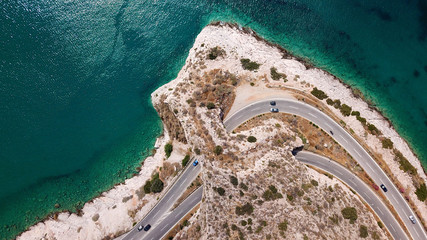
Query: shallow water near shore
x=76, y=79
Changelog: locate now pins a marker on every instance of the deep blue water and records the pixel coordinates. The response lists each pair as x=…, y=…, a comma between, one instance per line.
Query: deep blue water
x=76, y=77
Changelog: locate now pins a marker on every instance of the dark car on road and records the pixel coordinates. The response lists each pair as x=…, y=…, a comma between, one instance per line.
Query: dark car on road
x=147, y=227
x=332, y=133
x=274, y=110
x=195, y=162
x=140, y=227
x=273, y=103
x=383, y=188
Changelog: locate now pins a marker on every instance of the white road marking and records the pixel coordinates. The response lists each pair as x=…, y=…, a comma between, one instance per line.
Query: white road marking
x=393, y=228
x=417, y=233
x=181, y=184
x=379, y=209
x=371, y=167
x=328, y=125
x=394, y=198
x=367, y=196
x=255, y=109
x=179, y=212
x=353, y=182
x=357, y=152
x=163, y=228
x=312, y=115
x=344, y=140
x=293, y=107
x=340, y=173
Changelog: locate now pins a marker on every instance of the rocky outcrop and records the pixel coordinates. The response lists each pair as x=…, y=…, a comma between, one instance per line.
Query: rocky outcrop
x=172, y=124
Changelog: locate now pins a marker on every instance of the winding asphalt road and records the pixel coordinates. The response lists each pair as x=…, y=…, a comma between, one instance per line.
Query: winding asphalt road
x=162, y=208
x=358, y=186
x=344, y=139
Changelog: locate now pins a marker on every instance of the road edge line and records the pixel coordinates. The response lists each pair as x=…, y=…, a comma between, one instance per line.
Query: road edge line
x=186, y=212
x=162, y=196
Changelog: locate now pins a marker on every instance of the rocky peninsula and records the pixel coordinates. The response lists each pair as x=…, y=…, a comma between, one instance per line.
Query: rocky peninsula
x=254, y=188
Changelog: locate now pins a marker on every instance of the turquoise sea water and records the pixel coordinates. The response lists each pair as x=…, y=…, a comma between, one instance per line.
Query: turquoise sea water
x=76, y=77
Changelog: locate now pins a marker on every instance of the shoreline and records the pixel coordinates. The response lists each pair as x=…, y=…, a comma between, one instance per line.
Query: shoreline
x=105, y=201
x=41, y=229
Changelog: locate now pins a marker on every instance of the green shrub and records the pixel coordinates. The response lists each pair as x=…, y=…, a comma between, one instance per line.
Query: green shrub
x=306, y=186
x=243, y=186
x=96, y=217
x=190, y=101
x=373, y=129
x=220, y=191
x=380, y=224
x=168, y=150
x=349, y=213
x=156, y=185
x=197, y=151
x=215, y=52
x=405, y=165
x=185, y=160
x=361, y=119
x=387, y=143
x=250, y=221
x=276, y=75
x=251, y=139
x=233, y=227
x=355, y=113
x=234, y=180
x=272, y=188
x=290, y=197
x=421, y=192
x=243, y=223
x=314, y=183
x=271, y=194
x=283, y=226
x=345, y=110
x=329, y=101
x=337, y=103
x=363, y=231
x=247, y=64
x=186, y=223
x=245, y=209
x=210, y=105
x=147, y=186
x=218, y=150
x=241, y=235
x=319, y=94
x=252, y=84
